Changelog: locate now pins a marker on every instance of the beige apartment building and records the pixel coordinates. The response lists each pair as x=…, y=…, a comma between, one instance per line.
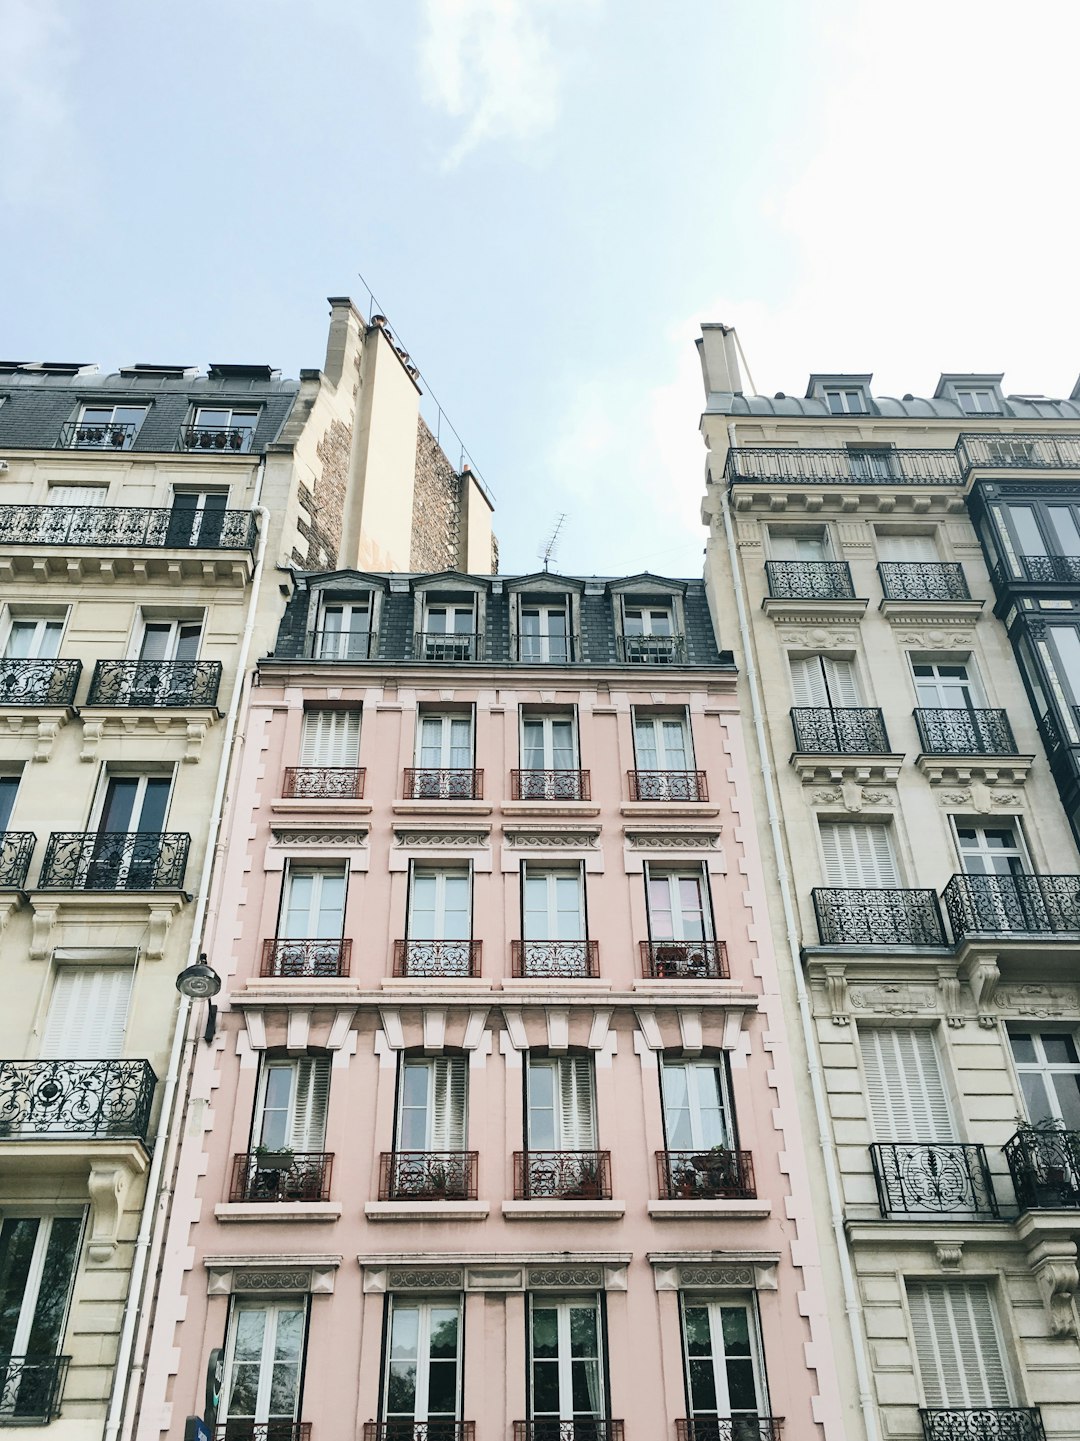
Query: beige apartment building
x=148, y=523
x=900, y=576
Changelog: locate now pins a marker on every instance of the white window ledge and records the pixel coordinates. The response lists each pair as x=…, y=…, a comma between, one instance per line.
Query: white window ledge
x=570, y=1210
x=710, y=1210
x=278, y=1211
x=426, y=1210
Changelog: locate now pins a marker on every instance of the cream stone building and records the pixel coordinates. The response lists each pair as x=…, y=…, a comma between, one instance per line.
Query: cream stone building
x=148, y=520
x=881, y=565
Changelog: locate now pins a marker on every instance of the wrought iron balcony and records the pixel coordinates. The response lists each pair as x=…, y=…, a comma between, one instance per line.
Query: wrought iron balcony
x=843, y=730
x=155, y=683
x=555, y=958
x=582, y=1428
x=684, y=960
x=809, y=580
x=1044, y=1162
x=98, y=435
x=562, y=1175
x=31, y=1388
x=877, y=916
x=119, y=526
x=933, y=1178
x=962, y=732
x=339, y=783
x=284, y=1175
x=447, y=645
x=436, y=958
x=1018, y=452
x=668, y=785
x=651, y=649
x=427, y=1176
x=281, y=1428
x=715, y=1174
x=425, y=783
x=115, y=860
x=38, y=682
x=550, y=785
x=786, y=466
x=982, y=1423
x=228, y=438
x=404, y=1428
x=1021, y=905
x=295, y=959
x=342, y=644
x=16, y=848
x=923, y=580
x=75, y=1098
x=745, y=1427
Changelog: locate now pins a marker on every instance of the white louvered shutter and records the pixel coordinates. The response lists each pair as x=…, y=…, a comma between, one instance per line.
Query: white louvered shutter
x=957, y=1344
x=842, y=681
x=577, y=1117
x=448, y=1091
x=309, y=1112
x=907, y=547
x=88, y=1012
x=798, y=547
x=905, y=1085
x=77, y=494
x=858, y=855
x=808, y=682
x=330, y=738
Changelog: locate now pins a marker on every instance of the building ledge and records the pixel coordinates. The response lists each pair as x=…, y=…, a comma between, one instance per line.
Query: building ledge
x=427, y=1210
x=278, y=1211
x=801, y=612
x=660, y=810
x=929, y=1231
x=331, y=806
x=553, y=1209
x=150, y=566
x=38, y=724
x=961, y=770
x=814, y=769
x=187, y=723
x=564, y=809
x=931, y=612
x=442, y=808
x=710, y=1210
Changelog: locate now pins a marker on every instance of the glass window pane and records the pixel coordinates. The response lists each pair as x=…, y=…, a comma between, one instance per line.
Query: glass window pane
x=1067, y=1089
x=702, y=1386
x=1036, y=1100
x=546, y=1387
x=698, y=1341
x=545, y=1331
x=55, y=1287
x=16, y=1251
x=442, y=1388
x=582, y=1331
x=585, y=1387
x=1023, y=1046
x=1060, y=1049
x=444, y=1332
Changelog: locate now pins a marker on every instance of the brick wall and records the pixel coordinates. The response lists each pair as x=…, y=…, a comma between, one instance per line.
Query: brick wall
x=321, y=510
x=436, y=507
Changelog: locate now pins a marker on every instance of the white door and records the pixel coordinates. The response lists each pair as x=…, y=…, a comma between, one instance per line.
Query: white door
x=724, y=1372
x=314, y=905
x=431, y=1113
x=423, y=1371
x=823, y=681
x=958, y=1345
x=561, y=1104
x=38, y=1256
x=264, y=1362
x=905, y=1085
x=345, y=632
x=695, y=1107
x=88, y=1012
x=554, y=904
x=662, y=743
x=330, y=738
x=440, y=904
x=566, y=1359
x=678, y=905
x=291, y=1110
x=858, y=855
x=444, y=742
x=543, y=633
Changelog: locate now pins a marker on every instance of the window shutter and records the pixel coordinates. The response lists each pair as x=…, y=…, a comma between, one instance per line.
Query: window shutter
x=907, y=547
x=77, y=494
x=330, y=738
x=843, y=682
x=858, y=855
x=957, y=1345
x=905, y=1085
x=808, y=682
x=449, y=1088
x=312, y=1094
x=88, y=1012
x=798, y=547
x=578, y=1121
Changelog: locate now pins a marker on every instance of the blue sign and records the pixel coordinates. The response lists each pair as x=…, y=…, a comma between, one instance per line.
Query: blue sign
x=196, y=1429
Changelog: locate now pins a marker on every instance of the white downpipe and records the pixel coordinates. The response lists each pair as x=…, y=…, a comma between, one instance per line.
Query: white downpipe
x=126, y=1377
x=791, y=926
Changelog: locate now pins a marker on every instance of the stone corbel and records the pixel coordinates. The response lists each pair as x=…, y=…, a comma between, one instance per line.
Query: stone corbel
x=983, y=979
x=949, y=986
x=108, y=1184
x=836, y=992
x=8, y=904
x=1054, y=1266
x=196, y=734
x=157, y=933
x=41, y=930
x=91, y=736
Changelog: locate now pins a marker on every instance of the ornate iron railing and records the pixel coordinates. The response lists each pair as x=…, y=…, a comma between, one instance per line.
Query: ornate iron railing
x=1012, y=905
x=550, y=785
x=235, y=438
x=282, y=1176
x=298, y=958
x=428, y=1175
x=555, y=958
x=339, y=783
x=714, y=1174
x=650, y=649
x=982, y=1423
x=582, y=1428
x=668, y=785
x=447, y=645
x=83, y=1098
x=425, y=783
x=1018, y=452
x=16, y=848
x=747, y=1427
x=115, y=860
x=126, y=525
x=1050, y=731
x=1044, y=1162
x=404, y=1428
x=281, y=1428
x=932, y=1178
x=961, y=732
x=809, y=580
x=98, y=435
x=562, y=1175
x=436, y=958
x=783, y=465
x=684, y=960
x=342, y=644
x=877, y=916
x=923, y=580
x=155, y=683
x=38, y=682
x=31, y=1388
x=843, y=730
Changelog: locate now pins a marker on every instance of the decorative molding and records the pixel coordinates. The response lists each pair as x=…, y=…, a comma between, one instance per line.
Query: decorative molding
x=980, y=772
x=673, y=840
x=108, y=1184
x=893, y=998
x=286, y=836
x=949, y=986
x=948, y=1254
x=757, y=1272
x=1033, y=998
x=423, y=1278
x=565, y=1276
x=256, y=1275
x=937, y=614
x=983, y=976
x=1053, y=1264
x=535, y=838
x=476, y=838
x=959, y=637
x=836, y=991
x=791, y=610
x=852, y=773
x=818, y=638
x=272, y=1280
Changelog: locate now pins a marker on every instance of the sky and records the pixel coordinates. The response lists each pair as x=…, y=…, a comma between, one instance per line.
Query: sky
x=547, y=198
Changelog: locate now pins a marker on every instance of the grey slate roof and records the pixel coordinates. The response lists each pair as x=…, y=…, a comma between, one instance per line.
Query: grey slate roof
x=735, y=404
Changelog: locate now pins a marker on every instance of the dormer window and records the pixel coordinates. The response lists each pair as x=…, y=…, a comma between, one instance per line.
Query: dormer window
x=977, y=400
x=845, y=400
x=543, y=632
x=345, y=630
x=648, y=634
x=104, y=427
x=221, y=428
x=448, y=631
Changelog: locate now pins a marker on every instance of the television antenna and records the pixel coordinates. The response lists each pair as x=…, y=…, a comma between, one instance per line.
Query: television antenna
x=547, y=555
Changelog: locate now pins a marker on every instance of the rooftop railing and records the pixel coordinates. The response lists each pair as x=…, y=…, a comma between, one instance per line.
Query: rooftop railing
x=650, y=649
x=447, y=645
x=228, y=439
x=343, y=645
x=97, y=435
x=821, y=466
x=1018, y=452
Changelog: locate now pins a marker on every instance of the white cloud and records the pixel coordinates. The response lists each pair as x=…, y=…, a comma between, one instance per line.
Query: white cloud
x=497, y=66
x=36, y=129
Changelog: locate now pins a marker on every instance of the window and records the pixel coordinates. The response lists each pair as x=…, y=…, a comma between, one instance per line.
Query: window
x=543, y=633
x=870, y=463
x=958, y=1344
x=678, y=904
x=648, y=634
x=313, y=906
x=9, y=789
x=945, y=685
x=549, y=759
x=449, y=631
x=858, y=855
x=222, y=428
x=344, y=631
x=561, y=1104
x=845, y=400
x=786, y=544
x=990, y=850
x=77, y=494
x=444, y=757
x=977, y=399
x=264, y=1366
x=88, y=1012
x=662, y=743
x=440, y=904
x=724, y=1374
x=823, y=681
x=431, y=1110
x=920, y=549
x=197, y=517
x=38, y=1256
x=423, y=1365
x=108, y=427
x=1048, y=1065
x=566, y=1361
x=290, y=1113
x=330, y=737
x=170, y=640
x=33, y=638
x=696, y=1109
x=905, y=1085
x=553, y=903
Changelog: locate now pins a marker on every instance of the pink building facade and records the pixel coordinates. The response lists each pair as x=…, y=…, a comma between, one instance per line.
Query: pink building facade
x=497, y=1134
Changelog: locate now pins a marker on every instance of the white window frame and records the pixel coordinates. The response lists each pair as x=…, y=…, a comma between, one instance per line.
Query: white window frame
x=42, y=622
x=715, y=1306
x=339, y=644
x=694, y=1067
x=108, y=775
x=563, y=1305
x=421, y=1410
x=674, y=875
x=982, y=824
x=542, y=639
x=552, y=872
x=112, y=407
x=31, y=1293
x=231, y=412
x=570, y=1073
x=321, y=871
x=446, y=747
x=844, y=395
x=1042, y=1067
x=444, y=1130
x=547, y=720
x=977, y=394
x=783, y=537
x=440, y=873
x=642, y=716
x=318, y=1067
x=975, y=694
x=273, y=1307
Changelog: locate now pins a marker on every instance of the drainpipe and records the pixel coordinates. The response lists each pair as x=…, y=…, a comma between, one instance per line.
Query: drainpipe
x=127, y=1376
x=791, y=926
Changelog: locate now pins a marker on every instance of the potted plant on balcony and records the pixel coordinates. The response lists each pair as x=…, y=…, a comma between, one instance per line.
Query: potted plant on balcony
x=716, y=1171
x=274, y=1158
x=1052, y=1153
x=586, y=1184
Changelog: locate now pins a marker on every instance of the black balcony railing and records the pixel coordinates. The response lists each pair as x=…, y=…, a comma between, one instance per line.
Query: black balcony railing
x=962, y=732
x=1012, y=905
x=278, y=1428
x=582, y=1428
x=425, y=783
x=555, y=958
x=126, y=525
x=777, y=464
x=923, y=580
x=295, y=959
x=1041, y=570
x=933, y=1178
x=1044, y=1162
x=716, y=1174
x=843, y=730
x=668, y=785
x=115, y=860
x=550, y=785
x=98, y=435
x=427, y=1176
x=38, y=682
x=405, y=1428
x=285, y=1175
x=16, y=848
x=31, y=1388
x=651, y=649
x=982, y=1423
x=1019, y=452
x=809, y=580
x=684, y=960
x=75, y=1098
x=342, y=644
x=436, y=958
x=877, y=916
x=447, y=645
x=562, y=1175
x=746, y=1427
x=155, y=683
x=339, y=783
x=234, y=439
